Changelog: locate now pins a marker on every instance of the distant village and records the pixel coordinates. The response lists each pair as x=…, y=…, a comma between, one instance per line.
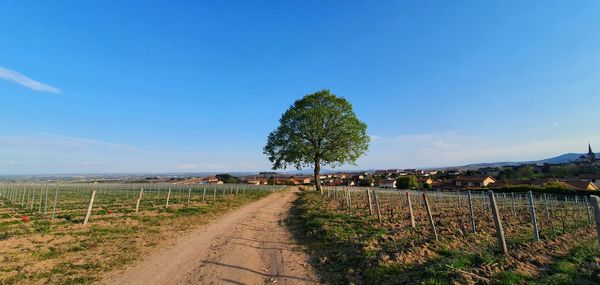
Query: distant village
x=581, y=174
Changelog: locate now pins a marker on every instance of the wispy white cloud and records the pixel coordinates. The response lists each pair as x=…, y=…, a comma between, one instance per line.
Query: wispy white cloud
x=62, y=143
x=450, y=148
x=23, y=80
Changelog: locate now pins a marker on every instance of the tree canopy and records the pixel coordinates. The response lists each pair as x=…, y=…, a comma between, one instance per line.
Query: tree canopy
x=227, y=178
x=320, y=129
x=406, y=182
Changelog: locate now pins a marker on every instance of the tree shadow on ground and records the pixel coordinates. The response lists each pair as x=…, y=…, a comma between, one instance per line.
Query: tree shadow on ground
x=335, y=243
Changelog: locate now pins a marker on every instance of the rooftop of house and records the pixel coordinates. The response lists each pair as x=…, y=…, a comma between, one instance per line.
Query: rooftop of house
x=577, y=185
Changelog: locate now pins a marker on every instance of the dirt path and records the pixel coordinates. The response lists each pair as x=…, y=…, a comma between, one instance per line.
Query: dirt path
x=248, y=246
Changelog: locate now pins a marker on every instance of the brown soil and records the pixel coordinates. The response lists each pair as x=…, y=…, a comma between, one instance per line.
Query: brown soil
x=248, y=246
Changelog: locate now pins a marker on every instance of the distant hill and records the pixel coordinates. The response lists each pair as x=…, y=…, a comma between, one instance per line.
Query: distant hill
x=564, y=158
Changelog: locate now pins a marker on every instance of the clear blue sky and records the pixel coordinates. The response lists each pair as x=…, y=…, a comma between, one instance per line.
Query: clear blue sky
x=145, y=86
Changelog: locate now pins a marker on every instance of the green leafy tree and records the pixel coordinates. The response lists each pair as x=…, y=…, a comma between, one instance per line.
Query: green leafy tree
x=320, y=129
x=227, y=178
x=406, y=182
x=365, y=182
x=506, y=173
x=525, y=172
x=554, y=184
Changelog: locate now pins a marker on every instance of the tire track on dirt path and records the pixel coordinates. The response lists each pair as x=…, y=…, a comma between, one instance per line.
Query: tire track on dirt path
x=250, y=245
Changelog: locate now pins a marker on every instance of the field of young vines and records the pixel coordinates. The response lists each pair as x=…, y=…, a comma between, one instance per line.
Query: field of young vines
x=432, y=237
x=73, y=233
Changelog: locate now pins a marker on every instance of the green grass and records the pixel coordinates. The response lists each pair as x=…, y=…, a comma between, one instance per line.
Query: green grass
x=510, y=278
x=576, y=267
x=50, y=253
x=42, y=227
x=336, y=240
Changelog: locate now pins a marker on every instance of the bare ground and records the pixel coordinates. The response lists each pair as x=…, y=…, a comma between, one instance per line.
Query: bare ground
x=248, y=246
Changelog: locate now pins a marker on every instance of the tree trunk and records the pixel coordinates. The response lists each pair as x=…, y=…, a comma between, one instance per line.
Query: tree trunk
x=317, y=178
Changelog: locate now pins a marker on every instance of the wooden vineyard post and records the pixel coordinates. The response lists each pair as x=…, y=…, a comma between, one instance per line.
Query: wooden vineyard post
x=203, y=193
x=587, y=208
x=471, y=212
x=215, y=193
x=32, y=199
x=41, y=198
x=437, y=198
x=27, y=198
x=498, y=222
x=139, y=199
x=377, y=206
x=536, y=233
x=430, y=216
x=459, y=218
x=46, y=203
x=546, y=206
x=595, y=201
x=514, y=212
x=577, y=207
x=349, y=199
x=89, y=209
x=338, y=197
x=369, y=201
x=168, y=197
x=486, y=204
x=562, y=214
x=22, y=196
x=346, y=198
x=189, y=195
x=54, y=204
x=410, y=210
